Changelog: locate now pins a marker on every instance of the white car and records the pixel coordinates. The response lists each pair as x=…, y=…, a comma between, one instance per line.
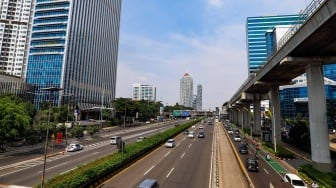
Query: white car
x=230, y=131
x=74, y=147
x=236, y=138
x=170, y=143
x=294, y=180
x=141, y=138
x=191, y=134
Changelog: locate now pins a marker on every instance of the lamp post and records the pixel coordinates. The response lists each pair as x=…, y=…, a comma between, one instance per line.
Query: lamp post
x=51, y=89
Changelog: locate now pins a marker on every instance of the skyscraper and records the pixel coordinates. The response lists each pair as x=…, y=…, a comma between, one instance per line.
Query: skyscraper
x=144, y=92
x=14, y=31
x=199, y=98
x=74, y=46
x=256, y=28
x=186, y=90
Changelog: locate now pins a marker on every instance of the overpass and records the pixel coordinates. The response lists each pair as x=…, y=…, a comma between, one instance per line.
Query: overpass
x=303, y=49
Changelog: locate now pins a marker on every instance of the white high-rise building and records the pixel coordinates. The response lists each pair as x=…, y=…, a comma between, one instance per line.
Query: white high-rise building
x=144, y=92
x=186, y=91
x=15, y=19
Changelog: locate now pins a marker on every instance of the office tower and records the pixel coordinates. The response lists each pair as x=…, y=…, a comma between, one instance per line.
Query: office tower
x=199, y=98
x=294, y=99
x=144, y=92
x=186, y=90
x=256, y=28
x=74, y=46
x=14, y=31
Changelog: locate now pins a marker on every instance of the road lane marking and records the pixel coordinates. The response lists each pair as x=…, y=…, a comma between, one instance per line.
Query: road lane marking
x=170, y=172
x=68, y=171
x=149, y=170
x=166, y=154
x=266, y=171
x=182, y=155
x=189, y=145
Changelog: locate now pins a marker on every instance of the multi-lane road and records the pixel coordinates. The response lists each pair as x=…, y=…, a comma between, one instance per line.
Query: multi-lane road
x=193, y=162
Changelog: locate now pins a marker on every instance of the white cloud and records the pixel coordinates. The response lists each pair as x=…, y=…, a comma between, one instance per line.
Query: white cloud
x=216, y=3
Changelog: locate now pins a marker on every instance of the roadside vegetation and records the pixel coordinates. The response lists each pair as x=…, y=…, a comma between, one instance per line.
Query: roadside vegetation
x=22, y=124
x=95, y=172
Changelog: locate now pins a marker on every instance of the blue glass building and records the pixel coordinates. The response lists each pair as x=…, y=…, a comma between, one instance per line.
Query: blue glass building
x=74, y=46
x=257, y=28
x=294, y=100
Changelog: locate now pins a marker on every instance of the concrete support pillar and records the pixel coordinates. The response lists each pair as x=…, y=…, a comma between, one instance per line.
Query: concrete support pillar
x=240, y=117
x=276, y=115
x=256, y=117
x=319, y=137
x=246, y=117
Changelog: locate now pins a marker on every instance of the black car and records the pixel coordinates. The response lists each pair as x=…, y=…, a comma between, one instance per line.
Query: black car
x=243, y=149
x=201, y=135
x=252, y=164
x=186, y=132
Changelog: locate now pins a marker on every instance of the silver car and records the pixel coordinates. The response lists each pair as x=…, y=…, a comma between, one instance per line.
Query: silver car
x=74, y=147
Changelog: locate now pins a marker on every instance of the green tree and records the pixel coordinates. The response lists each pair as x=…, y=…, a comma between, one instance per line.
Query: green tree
x=91, y=130
x=77, y=131
x=15, y=118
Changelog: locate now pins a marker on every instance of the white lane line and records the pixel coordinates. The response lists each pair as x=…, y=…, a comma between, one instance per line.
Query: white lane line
x=266, y=171
x=54, y=167
x=182, y=155
x=189, y=145
x=149, y=170
x=170, y=172
x=68, y=170
x=166, y=154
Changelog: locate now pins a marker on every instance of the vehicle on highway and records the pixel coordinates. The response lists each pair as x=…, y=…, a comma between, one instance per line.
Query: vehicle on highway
x=73, y=147
x=186, y=132
x=243, y=149
x=201, y=134
x=237, y=131
x=191, y=134
x=141, y=138
x=252, y=164
x=201, y=127
x=115, y=139
x=149, y=183
x=294, y=180
x=170, y=143
x=230, y=131
x=236, y=138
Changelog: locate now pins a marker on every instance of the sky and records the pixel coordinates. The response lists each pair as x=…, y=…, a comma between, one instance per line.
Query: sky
x=161, y=40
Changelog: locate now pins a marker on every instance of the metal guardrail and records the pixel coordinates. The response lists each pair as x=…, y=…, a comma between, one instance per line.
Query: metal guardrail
x=304, y=16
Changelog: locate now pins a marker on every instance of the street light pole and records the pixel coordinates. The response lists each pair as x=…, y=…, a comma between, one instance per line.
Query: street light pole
x=47, y=135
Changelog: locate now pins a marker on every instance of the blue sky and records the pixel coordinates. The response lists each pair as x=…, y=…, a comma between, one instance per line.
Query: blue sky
x=160, y=40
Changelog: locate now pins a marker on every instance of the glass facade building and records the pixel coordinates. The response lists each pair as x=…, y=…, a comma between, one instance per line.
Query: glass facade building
x=294, y=99
x=74, y=46
x=257, y=28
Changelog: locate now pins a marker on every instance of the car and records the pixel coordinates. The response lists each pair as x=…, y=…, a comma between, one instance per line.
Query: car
x=191, y=134
x=73, y=147
x=237, y=132
x=148, y=183
x=201, y=135
x=230, y=131
x=141, y=138
x=243, y=149
x=252, y=164
x=201, y=127
x=294, y=180
x=115, y=139
x=186, y=132
x=170, y=143
x=236, y=138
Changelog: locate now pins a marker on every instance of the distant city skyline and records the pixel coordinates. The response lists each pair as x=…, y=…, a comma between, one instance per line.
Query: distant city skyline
x=159, y=43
